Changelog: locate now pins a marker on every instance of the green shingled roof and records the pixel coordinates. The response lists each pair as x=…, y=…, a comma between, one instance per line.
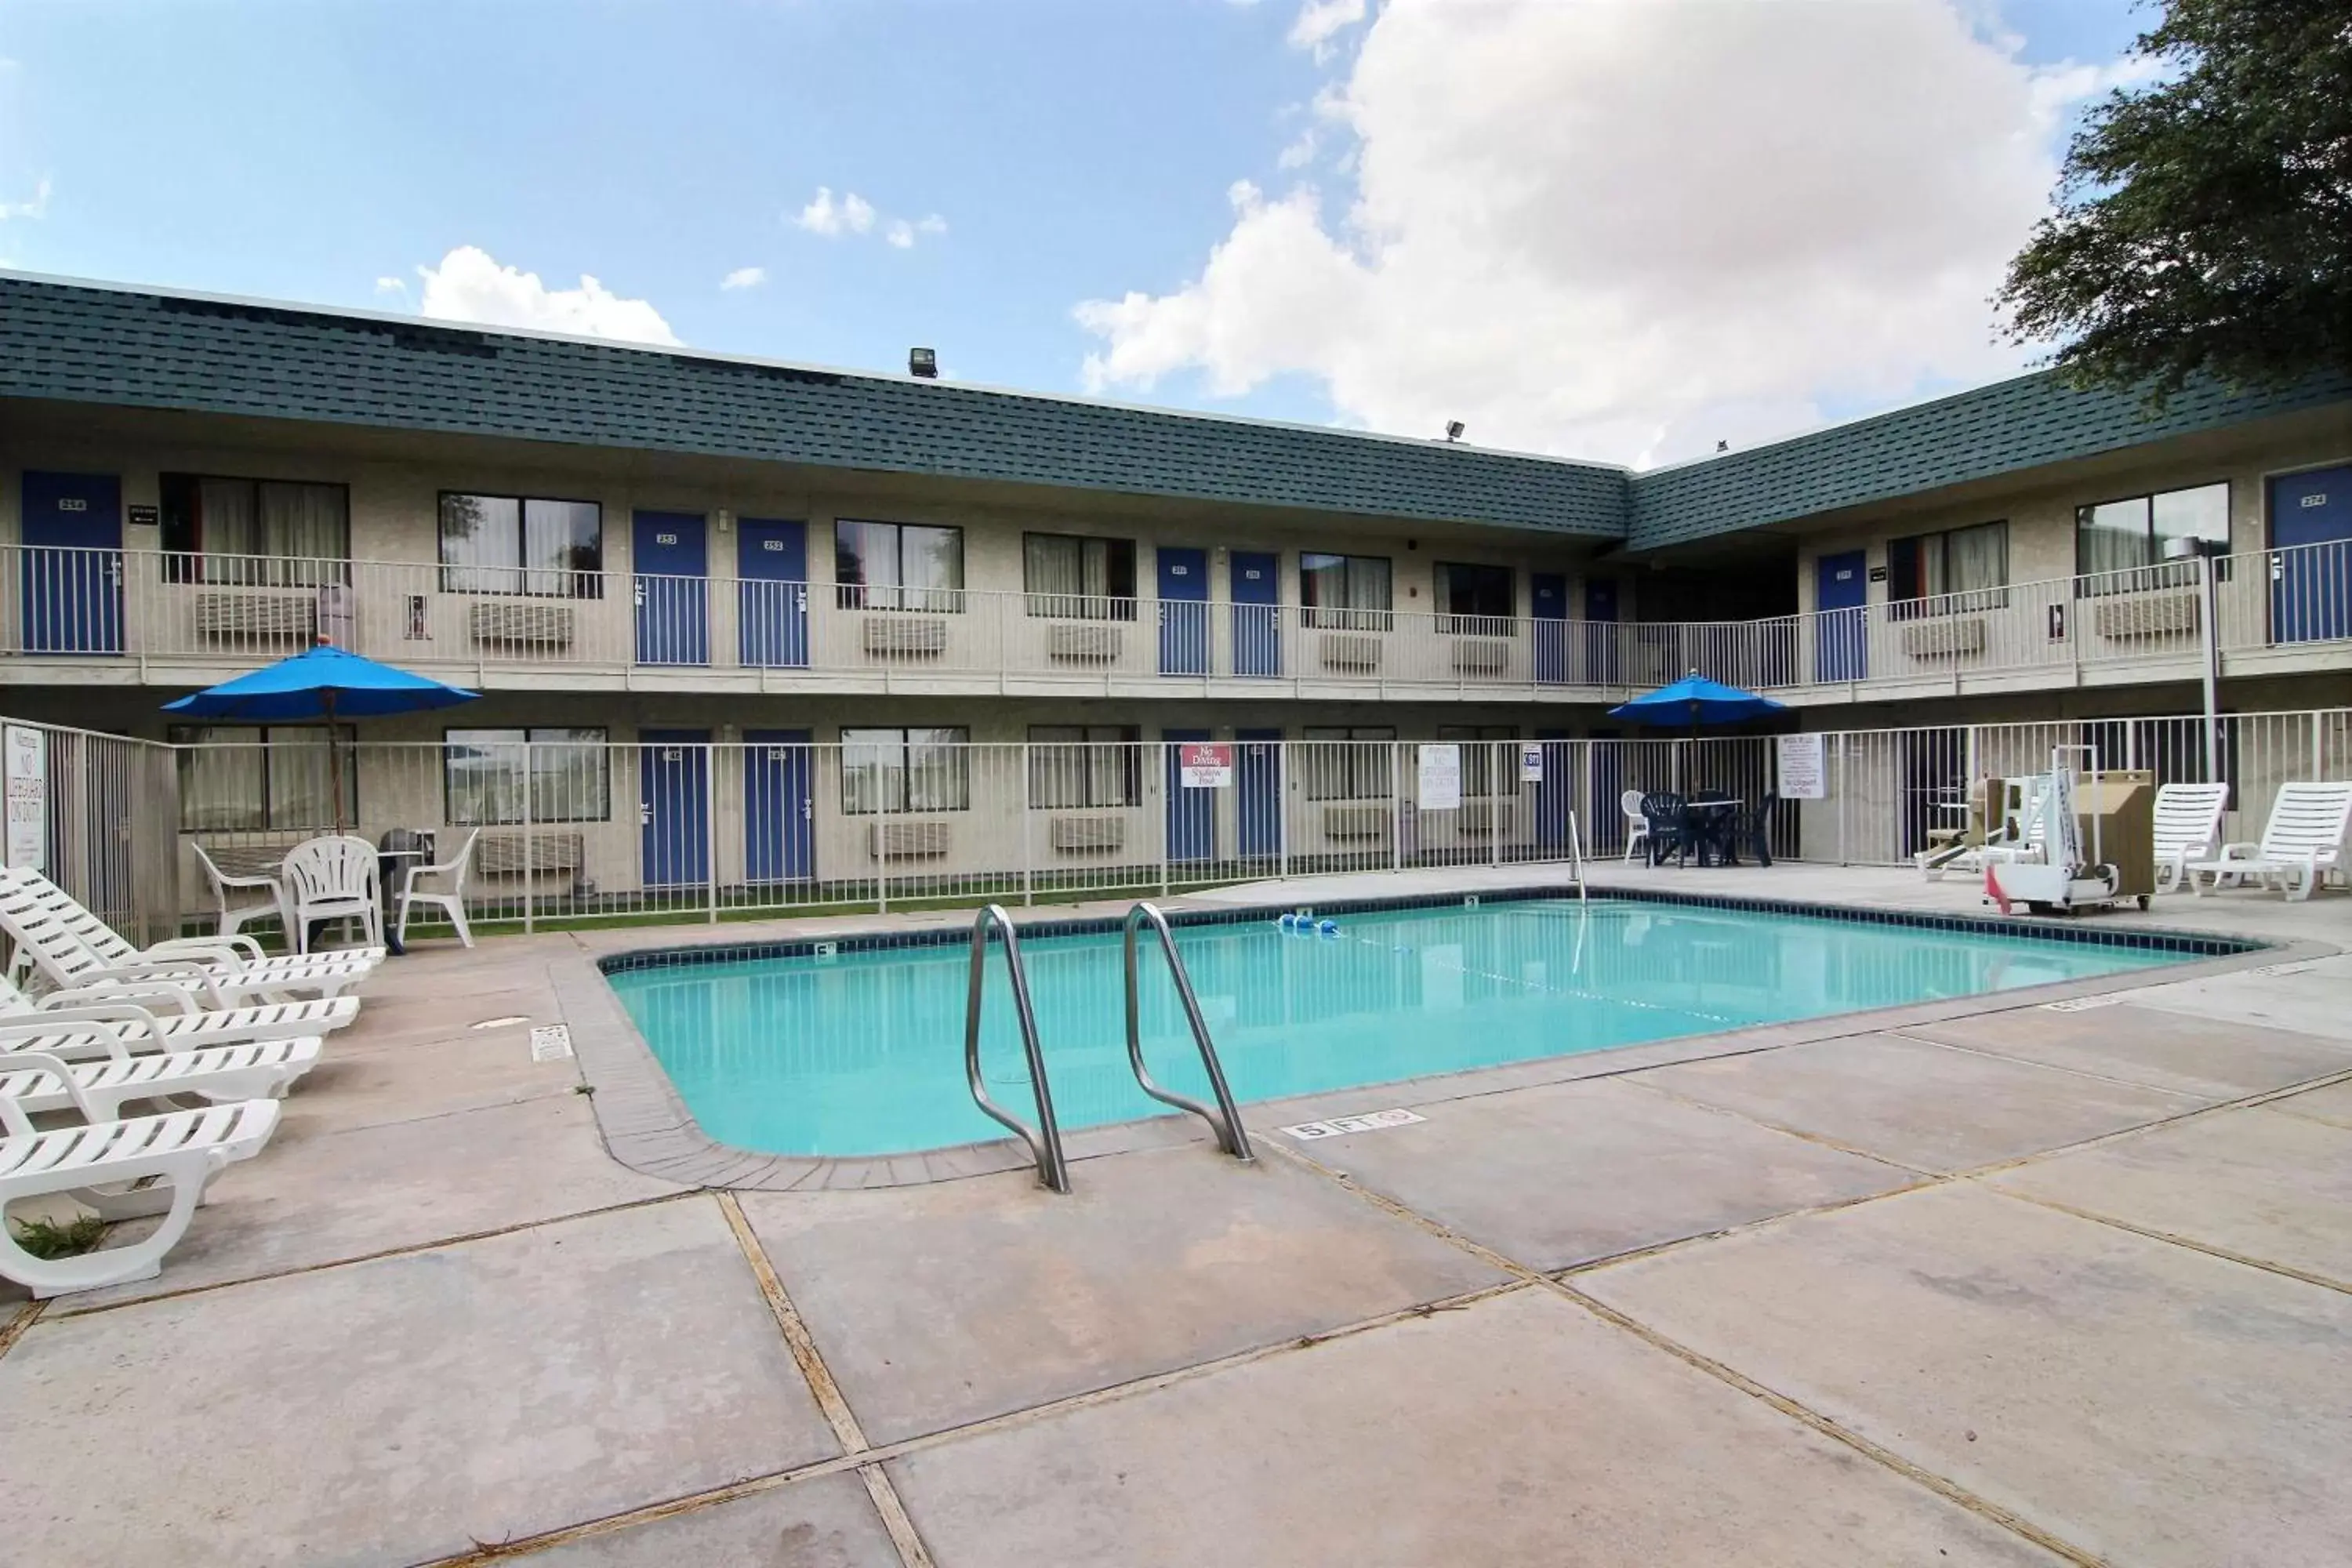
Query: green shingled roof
x=1973, y=435
x=159, y=350
x=78, y=343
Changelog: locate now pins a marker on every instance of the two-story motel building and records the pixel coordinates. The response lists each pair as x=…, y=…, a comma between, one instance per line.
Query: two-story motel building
x=622, y=545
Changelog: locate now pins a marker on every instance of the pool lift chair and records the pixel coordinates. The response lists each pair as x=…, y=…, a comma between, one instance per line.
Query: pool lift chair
x=2065, y=876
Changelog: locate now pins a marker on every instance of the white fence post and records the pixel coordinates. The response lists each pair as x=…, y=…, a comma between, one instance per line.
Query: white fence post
x=529, y=851
x=710, y=831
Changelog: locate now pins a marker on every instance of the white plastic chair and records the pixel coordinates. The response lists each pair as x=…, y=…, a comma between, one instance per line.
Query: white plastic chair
x=234, y=916
x=333, y=877
x=2187, y=828
x=1637, y=826
x=2303, y=841
x=449, y=896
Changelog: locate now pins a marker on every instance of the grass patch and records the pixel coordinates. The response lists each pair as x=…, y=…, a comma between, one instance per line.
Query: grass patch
x=46, y=1239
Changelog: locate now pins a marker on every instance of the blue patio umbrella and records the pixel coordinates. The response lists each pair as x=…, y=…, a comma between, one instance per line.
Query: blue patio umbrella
x=322, y=683
x=1696, y=701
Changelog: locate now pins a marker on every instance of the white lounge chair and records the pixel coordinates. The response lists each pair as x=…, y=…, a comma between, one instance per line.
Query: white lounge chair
x=258, y=1070
x=2187, y=828
x=330, y=877
x=101, y=1164
x=75, y=1025
x=2303, y=841
x=444, y=889
x=1637, y=824
x=73, y=949
x=232, y=916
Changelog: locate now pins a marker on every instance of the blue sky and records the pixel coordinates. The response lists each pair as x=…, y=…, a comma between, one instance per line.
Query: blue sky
x=1073, y=150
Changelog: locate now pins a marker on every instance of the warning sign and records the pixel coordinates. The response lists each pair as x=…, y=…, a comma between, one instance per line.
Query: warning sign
x=1205, y=766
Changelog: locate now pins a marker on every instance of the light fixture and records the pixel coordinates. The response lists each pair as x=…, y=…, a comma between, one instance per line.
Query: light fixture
x=924, y=362
x=1454, y=428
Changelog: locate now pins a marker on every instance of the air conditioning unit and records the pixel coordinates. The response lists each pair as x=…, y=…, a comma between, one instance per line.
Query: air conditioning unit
x=1082, y=644
x=495, y=623
x=2173, y=614
x=1944, y=637
x=1355, y=822
x=899, y=637
x=1087, y=835
x=908, y=841
x=1352, y=652
x=257, y=617
x=1481, y=656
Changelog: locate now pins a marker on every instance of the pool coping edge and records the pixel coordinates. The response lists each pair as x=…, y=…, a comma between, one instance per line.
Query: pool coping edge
x=645, y=1125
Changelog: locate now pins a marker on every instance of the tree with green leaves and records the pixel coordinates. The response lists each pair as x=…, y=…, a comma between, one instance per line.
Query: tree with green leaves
x=2204, y=222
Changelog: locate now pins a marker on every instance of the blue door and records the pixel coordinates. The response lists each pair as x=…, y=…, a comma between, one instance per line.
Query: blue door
x=779, y=805
x=772, y=602
x=2311, y=577
x=1549, y=591
x=1257, y=805
x=73, y=562
x=1842, y=634
x=1191, y=812
x=673, y=806
x=1600, y=631
x=1184, y=611
x=1256, y=592
x=673, y=606
x=1556, y=791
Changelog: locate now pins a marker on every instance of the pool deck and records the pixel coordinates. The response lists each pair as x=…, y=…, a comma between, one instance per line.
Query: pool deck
x=1994, y=1283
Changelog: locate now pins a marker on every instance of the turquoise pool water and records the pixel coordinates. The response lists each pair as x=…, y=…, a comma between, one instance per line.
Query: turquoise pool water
x=863, y=1053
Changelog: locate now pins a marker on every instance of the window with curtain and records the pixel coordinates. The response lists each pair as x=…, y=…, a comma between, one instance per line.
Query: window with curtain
x=1068, y=577
x=2127, y=538
x=1478, y=601
x=1353, y=763
x=243, y=779
x=1943, y=574
x=1345, y=591
x=1480, y=743
x=899, y=566
x=1078, y=765
x=488, y=775
x=275, y=534
x=520, y=544
x=900, y=770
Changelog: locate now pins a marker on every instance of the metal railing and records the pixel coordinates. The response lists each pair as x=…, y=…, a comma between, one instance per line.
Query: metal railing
x=1044, y=1139
x=178, y=616
x=586, y=830
x=1223, y=1119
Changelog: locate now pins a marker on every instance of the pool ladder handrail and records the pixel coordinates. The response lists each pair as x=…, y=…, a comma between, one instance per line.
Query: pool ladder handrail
x=1576, y=857
x=1044, y=1139
x=1224, y=1120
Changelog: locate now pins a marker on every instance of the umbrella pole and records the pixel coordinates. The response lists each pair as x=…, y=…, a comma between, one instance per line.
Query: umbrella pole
x=334, y=761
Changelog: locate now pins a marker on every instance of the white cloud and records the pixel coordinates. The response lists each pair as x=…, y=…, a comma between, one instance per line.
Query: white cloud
x=744, y=278
x=852, y=213
x=470, y=286
x=392, y=286
x=1320, y=21
x=902, y=232
x=36, y=208
x=1625, y=231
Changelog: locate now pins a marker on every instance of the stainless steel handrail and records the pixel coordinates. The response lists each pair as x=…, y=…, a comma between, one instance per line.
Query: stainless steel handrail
x=1224, y=1120
x=1044, y=1139
x=1576, y=857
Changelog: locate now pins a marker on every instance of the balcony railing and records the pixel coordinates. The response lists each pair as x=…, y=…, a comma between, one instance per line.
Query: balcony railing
x=176, y=617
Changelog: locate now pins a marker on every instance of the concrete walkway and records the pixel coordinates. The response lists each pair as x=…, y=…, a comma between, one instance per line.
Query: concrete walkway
x=2022, y=1284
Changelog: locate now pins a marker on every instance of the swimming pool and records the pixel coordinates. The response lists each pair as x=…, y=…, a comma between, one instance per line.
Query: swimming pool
x=861, y=1052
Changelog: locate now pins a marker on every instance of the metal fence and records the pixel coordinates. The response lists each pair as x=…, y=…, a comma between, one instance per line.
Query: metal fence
x=567, y=831
x=104, y=812
x=2254, y=613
